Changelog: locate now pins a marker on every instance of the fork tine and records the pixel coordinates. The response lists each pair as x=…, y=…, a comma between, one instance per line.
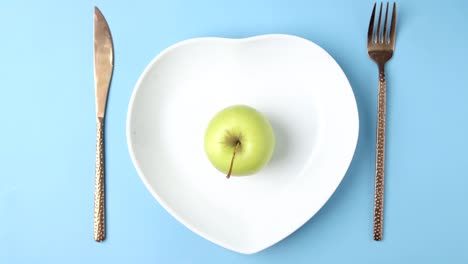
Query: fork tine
x=370, y=32
x=393, y=26
x=378, y=24
x=385, y=36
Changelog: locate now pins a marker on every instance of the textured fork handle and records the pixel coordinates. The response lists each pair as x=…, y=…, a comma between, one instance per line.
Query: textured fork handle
x=380, y=157
x=99, y=202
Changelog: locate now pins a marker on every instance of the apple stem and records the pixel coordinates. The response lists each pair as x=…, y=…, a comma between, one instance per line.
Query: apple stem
x=232, y=160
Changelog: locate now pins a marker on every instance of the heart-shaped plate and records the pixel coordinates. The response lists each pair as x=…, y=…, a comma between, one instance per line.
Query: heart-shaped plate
x=300, y=89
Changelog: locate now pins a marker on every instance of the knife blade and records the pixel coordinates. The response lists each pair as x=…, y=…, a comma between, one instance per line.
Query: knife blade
x=103, y=68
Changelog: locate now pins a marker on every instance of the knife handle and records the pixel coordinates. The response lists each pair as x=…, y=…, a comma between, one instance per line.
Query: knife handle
x=99, y=201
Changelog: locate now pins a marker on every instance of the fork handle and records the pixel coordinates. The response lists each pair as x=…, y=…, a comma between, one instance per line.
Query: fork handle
x=99, y=201
x=380, y=157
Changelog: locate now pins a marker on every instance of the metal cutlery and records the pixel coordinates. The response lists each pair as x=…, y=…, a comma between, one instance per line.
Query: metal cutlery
x=380, y=46
x=103, y=68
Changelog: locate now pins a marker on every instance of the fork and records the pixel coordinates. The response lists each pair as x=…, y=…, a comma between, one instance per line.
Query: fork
x=380, y=46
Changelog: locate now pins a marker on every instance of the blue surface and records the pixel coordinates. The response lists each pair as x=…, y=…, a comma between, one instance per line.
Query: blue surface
x=48, y=132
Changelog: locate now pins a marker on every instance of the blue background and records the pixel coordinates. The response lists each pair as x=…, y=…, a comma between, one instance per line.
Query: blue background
x=47, y=148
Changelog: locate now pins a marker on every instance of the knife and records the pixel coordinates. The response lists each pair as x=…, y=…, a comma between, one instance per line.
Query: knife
x=103, y=68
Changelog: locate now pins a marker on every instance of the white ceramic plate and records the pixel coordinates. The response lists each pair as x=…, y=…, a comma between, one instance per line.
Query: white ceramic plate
x=300, y=89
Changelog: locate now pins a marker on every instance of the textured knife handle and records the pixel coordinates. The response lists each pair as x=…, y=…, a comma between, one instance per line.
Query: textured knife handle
x=99, y=202
x=380, y=158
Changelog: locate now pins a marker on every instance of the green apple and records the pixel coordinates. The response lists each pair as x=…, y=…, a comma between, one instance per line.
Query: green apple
x=239, y=141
